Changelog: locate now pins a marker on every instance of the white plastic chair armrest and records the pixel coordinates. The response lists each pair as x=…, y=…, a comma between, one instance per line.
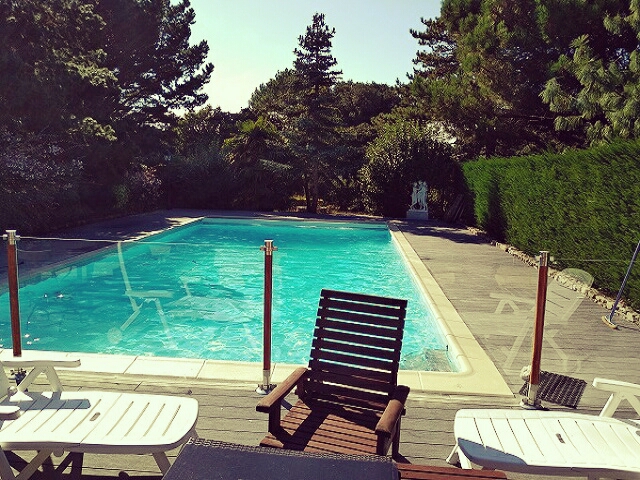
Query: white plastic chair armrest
x=39, y=362
x=620, y=391
x=616, y=386
x=8, y=410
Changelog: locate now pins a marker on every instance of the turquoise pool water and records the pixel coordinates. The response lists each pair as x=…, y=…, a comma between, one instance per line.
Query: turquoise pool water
x=197, y=292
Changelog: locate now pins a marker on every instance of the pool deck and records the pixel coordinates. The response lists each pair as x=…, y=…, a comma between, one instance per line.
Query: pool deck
x=464, y=274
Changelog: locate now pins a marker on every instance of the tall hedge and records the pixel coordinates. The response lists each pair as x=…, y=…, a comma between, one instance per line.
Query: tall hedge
x=582, y=206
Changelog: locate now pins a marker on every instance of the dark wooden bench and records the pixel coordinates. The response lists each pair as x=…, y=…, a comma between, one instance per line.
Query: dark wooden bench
x=349, y=399
x=409, y=471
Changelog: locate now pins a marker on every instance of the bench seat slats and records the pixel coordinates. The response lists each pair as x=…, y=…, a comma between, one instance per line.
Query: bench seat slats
x=350, y=385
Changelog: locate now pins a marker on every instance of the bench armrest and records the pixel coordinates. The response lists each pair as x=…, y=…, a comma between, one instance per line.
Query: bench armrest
x=272, y=402
x=395, y=409
x=619, y=391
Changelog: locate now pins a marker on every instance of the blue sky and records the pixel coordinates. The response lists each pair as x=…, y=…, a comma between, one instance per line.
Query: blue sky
x=251, y=40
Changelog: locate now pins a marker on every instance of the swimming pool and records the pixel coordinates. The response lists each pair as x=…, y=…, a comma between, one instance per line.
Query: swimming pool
x=196, y=291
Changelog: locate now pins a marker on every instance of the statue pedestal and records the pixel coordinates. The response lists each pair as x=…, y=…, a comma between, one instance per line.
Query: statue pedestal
x=417, y=214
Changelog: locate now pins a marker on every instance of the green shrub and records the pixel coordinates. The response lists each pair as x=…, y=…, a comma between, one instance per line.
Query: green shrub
x=582, y=206
x=403, y=153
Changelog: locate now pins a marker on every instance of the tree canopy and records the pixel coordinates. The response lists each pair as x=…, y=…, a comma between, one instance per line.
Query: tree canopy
x=101, y=105
x=486, y=64
x=98, y=82
x=596, y=88
x=98, y=67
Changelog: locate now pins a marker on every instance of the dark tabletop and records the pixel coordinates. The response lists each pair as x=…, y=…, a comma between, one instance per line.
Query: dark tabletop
x=202, y=459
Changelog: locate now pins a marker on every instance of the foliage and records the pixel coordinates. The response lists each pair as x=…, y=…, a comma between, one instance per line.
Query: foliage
x=313, y=131
x=581, y=206
x=51, y=63
x=277, y=99
x=262, y=181
x=406, y=152
x=198, y=179
x=485, y=65
x=203, y=128
x=40, y=178
x=356, y=106
x=147, y=48
x=597, y=88
x=359, y=106
x=140, y=189
x=101, y=80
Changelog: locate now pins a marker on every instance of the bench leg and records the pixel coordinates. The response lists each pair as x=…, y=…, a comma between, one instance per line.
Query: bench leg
x=456, y=457
x=162, y=461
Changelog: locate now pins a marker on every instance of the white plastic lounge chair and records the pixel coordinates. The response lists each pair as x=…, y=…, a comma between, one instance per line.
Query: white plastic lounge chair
x=81, y=422
x=553, y=442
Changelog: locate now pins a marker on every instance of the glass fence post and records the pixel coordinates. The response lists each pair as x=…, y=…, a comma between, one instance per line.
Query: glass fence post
x=531, y=401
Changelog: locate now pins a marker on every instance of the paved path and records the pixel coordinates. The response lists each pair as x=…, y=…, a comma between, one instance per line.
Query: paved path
x=473, y=274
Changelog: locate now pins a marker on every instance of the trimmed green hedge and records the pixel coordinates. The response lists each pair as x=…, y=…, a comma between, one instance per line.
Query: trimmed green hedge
x=582, y=206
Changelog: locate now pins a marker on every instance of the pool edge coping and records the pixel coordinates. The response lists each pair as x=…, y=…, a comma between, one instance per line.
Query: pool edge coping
x=478, y=375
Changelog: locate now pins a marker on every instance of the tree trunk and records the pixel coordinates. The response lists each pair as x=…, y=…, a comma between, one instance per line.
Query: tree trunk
x=314, y=187
x=307, y=193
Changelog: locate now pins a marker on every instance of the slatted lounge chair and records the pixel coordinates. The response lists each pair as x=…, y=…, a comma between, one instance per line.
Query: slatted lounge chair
x=81, y=422
x=349, y=399
x=554, y=442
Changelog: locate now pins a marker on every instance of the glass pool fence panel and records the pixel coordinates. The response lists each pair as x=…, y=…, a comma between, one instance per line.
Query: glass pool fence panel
x=172, y=296
x=510, y=310
x=161, y=298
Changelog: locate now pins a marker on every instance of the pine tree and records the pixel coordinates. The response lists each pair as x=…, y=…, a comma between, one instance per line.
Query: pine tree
x=315, y=124
x=51, y=64
x=147, y=46
x=486, y=63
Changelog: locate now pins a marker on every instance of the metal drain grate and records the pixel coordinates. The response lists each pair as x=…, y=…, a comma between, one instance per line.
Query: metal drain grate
x=558, y=389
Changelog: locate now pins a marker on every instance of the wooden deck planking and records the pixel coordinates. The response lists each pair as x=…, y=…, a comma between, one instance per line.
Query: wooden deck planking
x=465, y=267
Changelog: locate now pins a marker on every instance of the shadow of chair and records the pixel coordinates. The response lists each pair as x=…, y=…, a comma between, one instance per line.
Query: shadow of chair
x=565, y=292
x=349, y=399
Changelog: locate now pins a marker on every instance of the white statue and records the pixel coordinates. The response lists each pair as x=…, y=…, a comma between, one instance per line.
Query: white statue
x=419, y=196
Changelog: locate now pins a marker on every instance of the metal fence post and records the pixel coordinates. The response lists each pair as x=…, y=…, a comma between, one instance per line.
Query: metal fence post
x=266, y=385
x=608, y=319
x=531, y=400
x=14, y=304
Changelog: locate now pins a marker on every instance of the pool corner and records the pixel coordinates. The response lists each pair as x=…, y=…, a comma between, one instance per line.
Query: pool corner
x=477, y=374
